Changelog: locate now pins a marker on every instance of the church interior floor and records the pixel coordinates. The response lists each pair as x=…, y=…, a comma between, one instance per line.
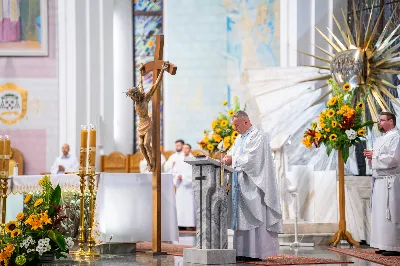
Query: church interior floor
x=142, y=258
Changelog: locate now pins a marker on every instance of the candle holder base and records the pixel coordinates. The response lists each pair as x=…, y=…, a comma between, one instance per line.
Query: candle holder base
x=78, y=253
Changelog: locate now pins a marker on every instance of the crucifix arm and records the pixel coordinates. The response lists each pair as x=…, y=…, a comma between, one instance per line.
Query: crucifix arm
x=141, y=78
x=156, y=85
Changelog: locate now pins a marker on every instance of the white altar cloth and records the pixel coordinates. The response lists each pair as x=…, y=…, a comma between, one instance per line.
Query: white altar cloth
x=123, y=204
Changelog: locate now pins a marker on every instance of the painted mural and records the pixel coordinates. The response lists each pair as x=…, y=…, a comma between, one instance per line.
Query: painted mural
x=252, y=28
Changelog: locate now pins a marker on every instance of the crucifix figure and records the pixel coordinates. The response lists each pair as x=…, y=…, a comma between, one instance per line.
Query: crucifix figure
x=142, y=99
x=149, y=129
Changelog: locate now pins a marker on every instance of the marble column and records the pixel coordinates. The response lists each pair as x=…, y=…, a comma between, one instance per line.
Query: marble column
x=123, y=75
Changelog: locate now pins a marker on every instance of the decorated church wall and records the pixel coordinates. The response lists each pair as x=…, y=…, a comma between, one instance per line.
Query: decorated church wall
x=213, y=43
x=29, y=85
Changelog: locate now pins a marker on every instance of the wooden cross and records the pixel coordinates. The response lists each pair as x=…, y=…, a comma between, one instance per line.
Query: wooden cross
x=156, y=66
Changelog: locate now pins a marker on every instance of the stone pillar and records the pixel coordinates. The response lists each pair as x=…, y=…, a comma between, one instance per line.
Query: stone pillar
x=211, y=214
x=123, y=75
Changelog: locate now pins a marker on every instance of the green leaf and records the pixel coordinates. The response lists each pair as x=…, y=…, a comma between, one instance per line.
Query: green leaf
x=368, y=123
x=56, y=196
x=236, y=103
x=328, y=149
x=58, y=238
x=345, y=153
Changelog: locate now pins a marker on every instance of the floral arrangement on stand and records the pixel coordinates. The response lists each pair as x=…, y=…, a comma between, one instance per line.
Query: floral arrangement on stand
x=222, y=134
x=34, y=234
x=340, y=125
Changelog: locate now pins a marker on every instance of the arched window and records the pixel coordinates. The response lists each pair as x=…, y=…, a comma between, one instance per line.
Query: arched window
x=147, y=23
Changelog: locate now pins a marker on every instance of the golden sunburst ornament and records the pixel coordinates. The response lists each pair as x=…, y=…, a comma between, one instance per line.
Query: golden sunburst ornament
x=362, y=61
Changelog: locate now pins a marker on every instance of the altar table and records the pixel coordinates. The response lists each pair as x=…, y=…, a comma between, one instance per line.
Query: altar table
x=123, y=204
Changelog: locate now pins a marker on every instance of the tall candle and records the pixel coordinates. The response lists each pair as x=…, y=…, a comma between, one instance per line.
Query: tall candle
x=1, y=154
x=92, y=146
x=7, y=152
x=83, y=149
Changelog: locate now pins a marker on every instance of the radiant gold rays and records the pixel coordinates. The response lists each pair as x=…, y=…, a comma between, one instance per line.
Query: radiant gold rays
x=378, y=51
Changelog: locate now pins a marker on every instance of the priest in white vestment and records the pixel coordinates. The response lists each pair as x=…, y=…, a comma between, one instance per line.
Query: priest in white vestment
x=256, y=215
x=185, y=207
x=384, y=160
x=175, y=157
x=65, y=163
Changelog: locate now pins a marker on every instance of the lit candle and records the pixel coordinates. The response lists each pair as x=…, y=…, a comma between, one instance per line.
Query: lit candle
x=83, y=149
x=7, y=152
x=1, y=155
x=92, y=146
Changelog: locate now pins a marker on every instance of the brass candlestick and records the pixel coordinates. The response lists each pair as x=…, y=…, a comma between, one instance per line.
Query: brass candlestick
x=92, y=193
x=82, y=175
x=6, y=151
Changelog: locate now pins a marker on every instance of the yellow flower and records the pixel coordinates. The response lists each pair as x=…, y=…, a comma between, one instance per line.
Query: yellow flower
x=10, y=226
x=224, y=102
x=330, y=113
x=360, y=105
x=214, y=124
x=38, y=202
x=333, y=137
x=223, y=123
x=233, y=138
x=314, y=125
x=227, y=139
x=218, y=130
x=318, y=135
x=340, y=112
x=44, y=218
x=210, y=147
x=332, y=101
x=334, y=124
x=205, y=140
x=306, y=142
x=321, y=117
x=227, y=144
x=346, y=87
x=15, y=233
x=40, y=182
x=231, y=113
x=20, y=216
x=322, y=125
x=361, y=132
x=27, y=198
x=235, y=133
x=327, y=129
x=217, y=137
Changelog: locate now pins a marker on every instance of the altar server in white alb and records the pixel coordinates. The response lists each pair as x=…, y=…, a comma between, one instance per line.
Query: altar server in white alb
x=65, y=163
x=384, y=160
x=175, y=157
x=185, y=207
x=256, y=215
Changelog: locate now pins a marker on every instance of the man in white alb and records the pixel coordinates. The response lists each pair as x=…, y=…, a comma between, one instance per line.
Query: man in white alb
x=177, y=156
x=256, y=215
x=65, y=163
x=384, y=160
x=185, y=208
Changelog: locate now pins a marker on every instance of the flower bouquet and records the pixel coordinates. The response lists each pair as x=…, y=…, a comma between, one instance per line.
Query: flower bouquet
x=34, y=234
x=339, y=125
x=222, y=136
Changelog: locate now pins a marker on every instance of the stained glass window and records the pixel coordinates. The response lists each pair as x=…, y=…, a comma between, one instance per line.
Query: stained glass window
x=147, y=23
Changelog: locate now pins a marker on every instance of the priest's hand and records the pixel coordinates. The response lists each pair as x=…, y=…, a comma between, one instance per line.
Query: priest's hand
x=368, y=154
x=61, y=168
x=180, y=178
x=227, y=160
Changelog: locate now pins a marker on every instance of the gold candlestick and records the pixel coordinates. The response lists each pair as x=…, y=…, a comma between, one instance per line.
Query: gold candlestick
x=6, y=143
x=92, y=194
x=82, y=175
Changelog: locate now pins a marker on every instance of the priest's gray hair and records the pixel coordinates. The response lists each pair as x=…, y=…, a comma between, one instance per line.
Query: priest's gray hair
x=241, y=115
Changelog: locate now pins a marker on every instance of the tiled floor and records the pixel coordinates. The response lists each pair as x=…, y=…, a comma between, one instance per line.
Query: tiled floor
x=188, y=239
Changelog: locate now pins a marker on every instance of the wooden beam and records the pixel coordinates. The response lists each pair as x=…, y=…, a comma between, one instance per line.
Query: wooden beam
x=156, y=179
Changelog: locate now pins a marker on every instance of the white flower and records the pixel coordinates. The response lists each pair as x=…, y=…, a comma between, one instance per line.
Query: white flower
x=210, y=135
x=351, y=134
x=70, y=242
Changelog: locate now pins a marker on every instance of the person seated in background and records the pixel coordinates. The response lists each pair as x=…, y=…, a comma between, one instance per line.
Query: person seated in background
x=177, y=156
x=185, y=207
x=143, y=165
x=65, y=163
